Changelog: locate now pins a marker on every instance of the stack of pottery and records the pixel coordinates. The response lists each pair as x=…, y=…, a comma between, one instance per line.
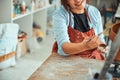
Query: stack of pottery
x=112, y=35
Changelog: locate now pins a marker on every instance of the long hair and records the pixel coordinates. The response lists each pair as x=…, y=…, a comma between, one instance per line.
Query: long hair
x=65, y=4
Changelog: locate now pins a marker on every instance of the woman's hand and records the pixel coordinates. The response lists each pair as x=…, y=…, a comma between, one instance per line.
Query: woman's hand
x=103, y=49
x=93, y=42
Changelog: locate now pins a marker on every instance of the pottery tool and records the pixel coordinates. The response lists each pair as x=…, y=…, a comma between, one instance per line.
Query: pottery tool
x=104, y=31
x=97, y=35
x=112, y=53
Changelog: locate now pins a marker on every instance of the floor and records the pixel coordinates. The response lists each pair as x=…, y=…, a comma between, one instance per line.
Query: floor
x=27, y=64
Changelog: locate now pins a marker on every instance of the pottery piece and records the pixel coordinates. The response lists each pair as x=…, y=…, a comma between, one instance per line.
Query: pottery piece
x=112, y=35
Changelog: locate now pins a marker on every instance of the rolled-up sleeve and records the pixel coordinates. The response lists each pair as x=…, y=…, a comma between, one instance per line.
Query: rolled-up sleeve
x=60, y=29
x=100, y=28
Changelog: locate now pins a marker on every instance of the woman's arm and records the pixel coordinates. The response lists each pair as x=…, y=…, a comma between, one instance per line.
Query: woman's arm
x=60, y=28
x=74, y=48
x=86, y=44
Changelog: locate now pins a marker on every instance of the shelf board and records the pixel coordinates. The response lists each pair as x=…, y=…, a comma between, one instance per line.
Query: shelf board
x=21, y=16
x=28, y=13
x=42, y=8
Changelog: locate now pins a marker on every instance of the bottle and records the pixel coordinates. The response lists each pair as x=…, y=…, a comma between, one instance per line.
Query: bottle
x=13, y=11
x=33, y=5
x=17, y=9
x=23, y=7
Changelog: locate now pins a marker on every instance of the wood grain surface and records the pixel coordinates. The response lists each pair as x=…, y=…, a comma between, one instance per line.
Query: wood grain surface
x=57, y=67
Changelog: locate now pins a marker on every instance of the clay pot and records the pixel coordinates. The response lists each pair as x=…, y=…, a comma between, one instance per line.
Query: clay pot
x=112, y=35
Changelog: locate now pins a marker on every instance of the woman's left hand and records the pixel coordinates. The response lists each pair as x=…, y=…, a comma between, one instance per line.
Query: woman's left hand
x=103, y=49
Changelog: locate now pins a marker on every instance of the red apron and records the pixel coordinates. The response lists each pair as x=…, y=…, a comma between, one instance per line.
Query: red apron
x=77, y=37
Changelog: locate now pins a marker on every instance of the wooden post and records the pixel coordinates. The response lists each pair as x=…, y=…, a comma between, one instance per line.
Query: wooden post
x=113, y=51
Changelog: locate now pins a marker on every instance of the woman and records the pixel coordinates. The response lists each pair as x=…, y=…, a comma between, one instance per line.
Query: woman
x=76, y=29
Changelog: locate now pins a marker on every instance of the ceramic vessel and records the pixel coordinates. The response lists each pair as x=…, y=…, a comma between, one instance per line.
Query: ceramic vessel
x=112, y=35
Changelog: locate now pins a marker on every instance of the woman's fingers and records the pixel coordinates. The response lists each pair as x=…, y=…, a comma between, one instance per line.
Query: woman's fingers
x=93, y=42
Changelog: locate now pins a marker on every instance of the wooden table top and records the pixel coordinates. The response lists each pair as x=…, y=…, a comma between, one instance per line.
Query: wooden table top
x=57, y=67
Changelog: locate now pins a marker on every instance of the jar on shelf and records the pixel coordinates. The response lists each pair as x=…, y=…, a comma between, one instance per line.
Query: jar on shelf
x=46, y=2
x=23, y=7
x=33, y=5
x=17, y=9
x=41, y=3
x=13, y=11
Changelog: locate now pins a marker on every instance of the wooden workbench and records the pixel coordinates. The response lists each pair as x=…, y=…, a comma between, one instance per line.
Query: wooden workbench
x=57, y=67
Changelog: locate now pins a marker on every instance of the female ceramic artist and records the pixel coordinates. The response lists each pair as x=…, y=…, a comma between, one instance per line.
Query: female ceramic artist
x=76, y=28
